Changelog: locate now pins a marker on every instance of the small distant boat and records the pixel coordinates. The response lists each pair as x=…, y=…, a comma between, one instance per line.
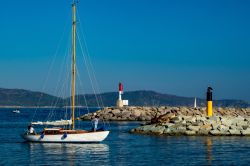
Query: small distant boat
x=16, y=111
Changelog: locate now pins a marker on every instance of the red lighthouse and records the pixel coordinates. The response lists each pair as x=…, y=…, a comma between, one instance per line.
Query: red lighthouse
x=119, y=102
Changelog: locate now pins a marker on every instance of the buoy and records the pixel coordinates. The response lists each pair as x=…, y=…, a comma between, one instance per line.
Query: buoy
x=209, y=102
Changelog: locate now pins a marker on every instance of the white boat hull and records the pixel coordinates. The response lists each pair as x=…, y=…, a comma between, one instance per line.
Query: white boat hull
x=90, y=137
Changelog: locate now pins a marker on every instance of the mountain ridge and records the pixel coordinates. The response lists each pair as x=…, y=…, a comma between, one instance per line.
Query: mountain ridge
x=27, y=98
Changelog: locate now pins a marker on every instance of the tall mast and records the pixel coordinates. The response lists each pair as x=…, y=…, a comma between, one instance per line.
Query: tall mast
x=73, y=65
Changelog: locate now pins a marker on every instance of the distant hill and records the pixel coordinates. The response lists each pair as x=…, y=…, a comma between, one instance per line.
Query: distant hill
x=20, y=97
x=151, y=98
x=25, y=98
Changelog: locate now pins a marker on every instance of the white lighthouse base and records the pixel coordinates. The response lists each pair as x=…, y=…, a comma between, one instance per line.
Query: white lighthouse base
x=119, y=103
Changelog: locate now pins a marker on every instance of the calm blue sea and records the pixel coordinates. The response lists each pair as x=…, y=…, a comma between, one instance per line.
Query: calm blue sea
x=120, y=148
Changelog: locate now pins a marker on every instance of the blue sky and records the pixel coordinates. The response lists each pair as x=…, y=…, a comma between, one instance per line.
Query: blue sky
x=177, y=47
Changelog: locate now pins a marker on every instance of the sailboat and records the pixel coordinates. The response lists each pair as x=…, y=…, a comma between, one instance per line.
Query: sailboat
x=61, y=135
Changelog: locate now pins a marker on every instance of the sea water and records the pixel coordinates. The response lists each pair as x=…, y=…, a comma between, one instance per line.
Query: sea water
x=120, y=147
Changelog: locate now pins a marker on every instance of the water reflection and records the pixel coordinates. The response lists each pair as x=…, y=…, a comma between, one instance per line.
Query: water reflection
x=209, y=145
x=72, y=154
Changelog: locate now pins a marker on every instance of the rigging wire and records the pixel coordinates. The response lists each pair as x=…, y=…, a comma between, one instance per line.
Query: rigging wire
x=61, y=84
x=84, y=96
x=88, y=70
x=88, y=59
x=50, y=66
x=89, y=74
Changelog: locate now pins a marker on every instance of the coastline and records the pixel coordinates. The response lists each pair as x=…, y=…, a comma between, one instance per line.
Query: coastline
x=44, y=107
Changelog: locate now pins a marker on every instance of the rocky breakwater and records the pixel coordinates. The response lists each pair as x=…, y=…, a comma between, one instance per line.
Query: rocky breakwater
x=156, y=115
x=226, y=122
x=180, y=120
x=124, y=114
x=136, y=113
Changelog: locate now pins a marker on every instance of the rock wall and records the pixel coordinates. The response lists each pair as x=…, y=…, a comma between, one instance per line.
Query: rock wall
x=157, y=114
x=198, y=125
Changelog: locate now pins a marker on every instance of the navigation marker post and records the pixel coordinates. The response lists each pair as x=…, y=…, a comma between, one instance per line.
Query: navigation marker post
x=209, y=102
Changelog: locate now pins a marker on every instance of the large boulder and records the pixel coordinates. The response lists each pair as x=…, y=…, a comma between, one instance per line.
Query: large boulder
x=215, y=125
x=125, y=114
x=207, y=127
x=203, y=132
x=167, y=131
x=190, y=119
x=242, y=123
x=193, y=128
x=190, y=132
x=115, y=111
x=136, y=113
x=245, y=132
x=167, y=125
x=226, y=121
x=162, y=118
x=215, y=132
x=176, y=119
x=158, y=130
x=223, y=128
x=235, y=132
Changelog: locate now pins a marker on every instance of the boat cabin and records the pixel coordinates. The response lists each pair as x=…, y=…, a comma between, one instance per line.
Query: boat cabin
x=55, y=131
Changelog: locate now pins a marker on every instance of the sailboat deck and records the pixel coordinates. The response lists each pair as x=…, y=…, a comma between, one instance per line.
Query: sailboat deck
x=62, y=131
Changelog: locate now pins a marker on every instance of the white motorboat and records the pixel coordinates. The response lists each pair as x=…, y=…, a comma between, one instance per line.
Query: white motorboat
x=16, y=111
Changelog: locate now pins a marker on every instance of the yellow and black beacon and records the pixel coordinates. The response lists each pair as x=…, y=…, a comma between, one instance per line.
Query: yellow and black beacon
x=209, y=102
